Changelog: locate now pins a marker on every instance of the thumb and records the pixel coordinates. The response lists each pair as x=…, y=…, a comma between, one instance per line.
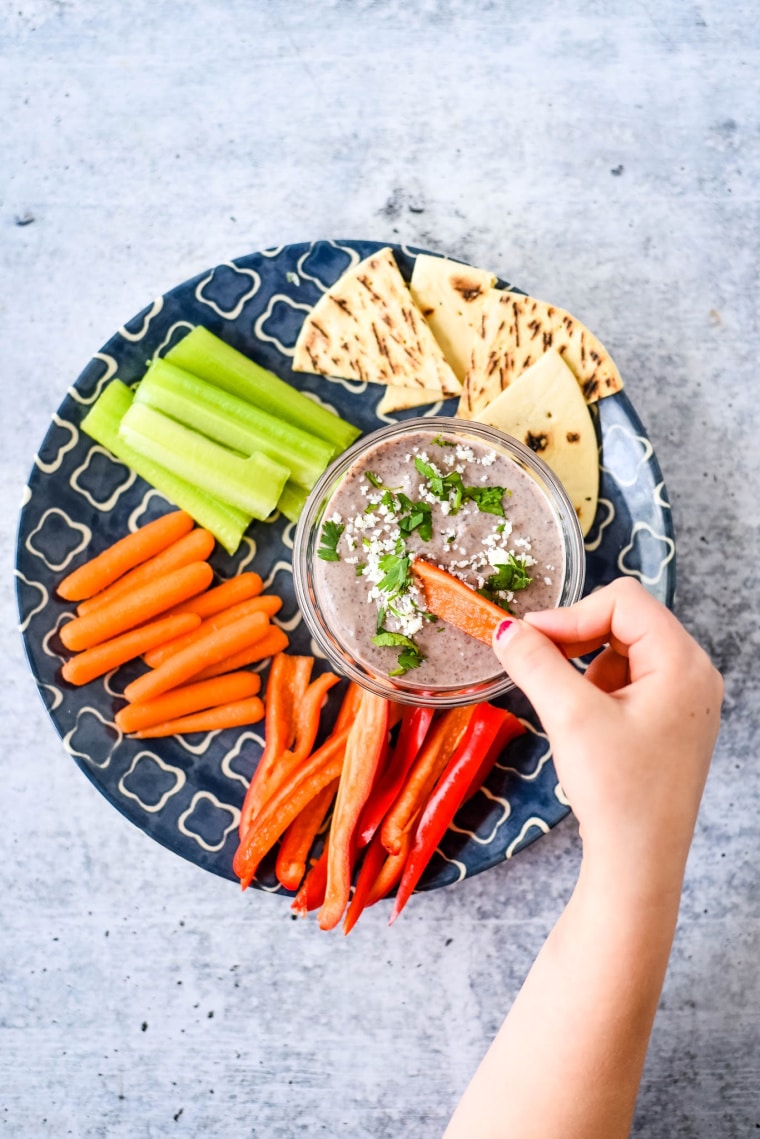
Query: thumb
x=542, y=671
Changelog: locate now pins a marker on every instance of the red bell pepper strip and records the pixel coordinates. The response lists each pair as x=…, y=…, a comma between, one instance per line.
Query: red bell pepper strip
x=510, y=730
x=365, y=747
x=414, y=727
x=311, y=894
x=287, y=683
x=299, y=838
x=482, y=731
x=372, y=863
x=437, y=749
x=290, y=798
x=392, y=869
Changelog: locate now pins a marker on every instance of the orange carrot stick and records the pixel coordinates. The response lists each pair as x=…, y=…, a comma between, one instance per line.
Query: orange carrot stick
x=222, y=596
x=457, y=604
x=299, y=838
x=440, y=744
x=234, y=715
x=136, y=608
x=215, y=646
x=196, y=546
x=98, y=661
x=123, y=555
x=269, y=605
x=188, y=698
x=275, y=641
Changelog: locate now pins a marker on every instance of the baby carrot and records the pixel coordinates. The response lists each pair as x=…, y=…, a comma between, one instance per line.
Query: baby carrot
x=222, y=596
x=273, y=642
x=189, y=662
x=102, y=658
x=234, y=715
x=268, y=604
x=196, y=546
x=188, y=698
x=136, y=607
x=123, y=555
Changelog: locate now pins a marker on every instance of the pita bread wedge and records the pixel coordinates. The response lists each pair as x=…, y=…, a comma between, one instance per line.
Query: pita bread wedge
x=545, y=409
x=401, y=399
x=516, y=330
x=367, y=327
x=451, y=297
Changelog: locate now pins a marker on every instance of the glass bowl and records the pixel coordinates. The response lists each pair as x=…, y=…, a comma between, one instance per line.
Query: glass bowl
x=320, y=612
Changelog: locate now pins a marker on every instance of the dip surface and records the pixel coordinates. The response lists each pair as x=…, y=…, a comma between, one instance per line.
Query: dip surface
x=438, y=499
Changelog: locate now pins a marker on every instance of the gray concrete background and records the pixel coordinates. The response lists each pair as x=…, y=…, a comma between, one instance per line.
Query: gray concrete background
x=604, y=155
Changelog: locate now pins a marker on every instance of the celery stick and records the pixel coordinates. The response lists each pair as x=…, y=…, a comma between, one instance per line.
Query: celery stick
x=232, y=421
x=210, y=358
x=292, y=501
x=252, y=483
x=226, y=523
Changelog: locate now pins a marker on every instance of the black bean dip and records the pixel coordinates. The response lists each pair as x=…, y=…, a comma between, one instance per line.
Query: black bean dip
x=458, y=504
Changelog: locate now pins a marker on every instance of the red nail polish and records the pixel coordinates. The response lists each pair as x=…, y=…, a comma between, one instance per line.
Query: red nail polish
x=504, y=628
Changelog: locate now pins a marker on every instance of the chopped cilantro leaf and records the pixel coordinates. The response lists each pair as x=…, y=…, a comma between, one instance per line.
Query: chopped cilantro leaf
x=439, y=441
x=331, y=532
x=397, y=573
x=373, y=479
x=360, y=568
x=510, y=577
x=380, y=620
x=407, y=658
x=486, y=498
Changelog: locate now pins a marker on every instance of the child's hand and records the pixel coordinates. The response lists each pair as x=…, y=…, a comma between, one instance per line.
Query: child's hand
x=631, y=739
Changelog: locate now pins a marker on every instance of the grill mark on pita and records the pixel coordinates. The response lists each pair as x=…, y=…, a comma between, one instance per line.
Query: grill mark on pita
x=536, y=443
x=573, y=437
x=548, y=336
x=318, y=328
x=428, y=312
x=365, y=281
x=342, y=304
x=467, y=291
x=313, y=358
x=382, y=347
x=515, y=312
x=591, y=388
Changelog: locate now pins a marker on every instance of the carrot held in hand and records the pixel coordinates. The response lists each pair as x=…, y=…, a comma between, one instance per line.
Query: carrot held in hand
x=482, y=734
x=188, y=698
x=215, y=646
x=454, y=602
x=91, y=663
x=266, y=604
x=365, y=747
x=123, y=555
x=233, y=715
x=196, y=546
x=136, y=608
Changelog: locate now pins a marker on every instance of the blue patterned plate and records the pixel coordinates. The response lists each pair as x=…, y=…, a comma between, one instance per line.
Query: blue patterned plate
x=186, y=793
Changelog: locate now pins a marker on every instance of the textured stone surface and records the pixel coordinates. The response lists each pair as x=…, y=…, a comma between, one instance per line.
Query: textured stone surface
x=603, y=155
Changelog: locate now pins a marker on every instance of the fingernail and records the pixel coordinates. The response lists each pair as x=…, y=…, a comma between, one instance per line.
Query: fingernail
x=506, y=629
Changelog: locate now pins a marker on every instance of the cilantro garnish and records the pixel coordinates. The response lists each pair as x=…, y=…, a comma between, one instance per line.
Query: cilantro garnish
x=486, y=498
x=397, y=571
x=509, y=577
x=439, y=441
x=331, y=532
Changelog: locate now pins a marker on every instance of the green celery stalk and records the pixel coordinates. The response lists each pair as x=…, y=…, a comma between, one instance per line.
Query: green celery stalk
x=206, y=356
x=252, y=483
x=292, y=501
x=232, y=421
x=226, y=523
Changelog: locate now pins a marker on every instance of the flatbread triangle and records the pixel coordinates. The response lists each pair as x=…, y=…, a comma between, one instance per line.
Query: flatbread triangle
x=367, y=327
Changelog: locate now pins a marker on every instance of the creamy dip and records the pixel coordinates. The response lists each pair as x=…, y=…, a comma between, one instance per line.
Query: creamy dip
x=440, y=499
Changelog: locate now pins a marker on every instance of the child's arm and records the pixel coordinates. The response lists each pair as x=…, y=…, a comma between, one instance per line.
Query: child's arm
x=632, y=742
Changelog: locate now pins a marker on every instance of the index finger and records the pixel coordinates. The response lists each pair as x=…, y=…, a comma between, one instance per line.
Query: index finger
x=622, y=614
